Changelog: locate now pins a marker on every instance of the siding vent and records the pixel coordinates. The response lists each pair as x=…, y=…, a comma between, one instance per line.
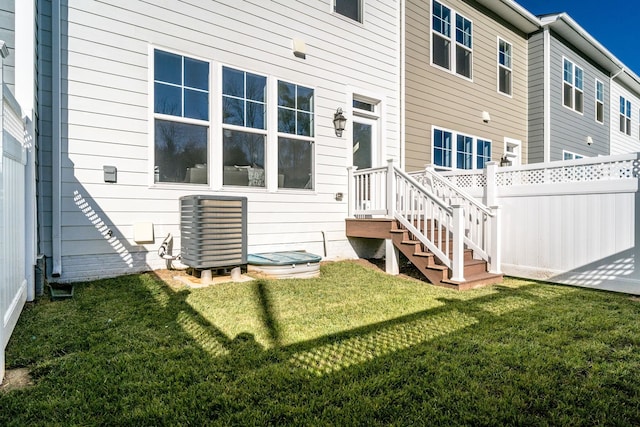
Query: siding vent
x=213, y=231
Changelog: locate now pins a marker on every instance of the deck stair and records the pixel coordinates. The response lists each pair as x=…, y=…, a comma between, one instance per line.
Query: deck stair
x=475, y=270
x=451, y=238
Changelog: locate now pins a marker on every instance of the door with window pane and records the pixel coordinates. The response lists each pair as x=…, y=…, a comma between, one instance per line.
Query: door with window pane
x=364, y=135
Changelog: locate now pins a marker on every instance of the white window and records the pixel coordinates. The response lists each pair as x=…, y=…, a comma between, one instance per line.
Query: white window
x=295, y=135
x=467, y=152
x=599, y=101
x=625, y=116
x=572, y=94
x=352, y=9
x=442, y=40
x=568, y=155
x=181, y=118
x=504, y=67
x=244, y=128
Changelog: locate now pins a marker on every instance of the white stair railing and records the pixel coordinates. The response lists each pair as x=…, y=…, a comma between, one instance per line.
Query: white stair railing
x=390, y=192
x=482, y=223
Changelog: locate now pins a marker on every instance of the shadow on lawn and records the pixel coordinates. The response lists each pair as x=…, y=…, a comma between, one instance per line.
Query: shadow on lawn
x=336, y=352
x=162, y=362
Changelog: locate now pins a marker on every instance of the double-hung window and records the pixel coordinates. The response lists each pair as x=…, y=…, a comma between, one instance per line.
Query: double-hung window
x=567, y=155
x=350, y=8
x=181, y=118
x=625, y=116
x=599, y=101
x=295, y=135
x=244, y=128
x=442, y=40
x=467, y=152
x=504, y=67
x=573, y=94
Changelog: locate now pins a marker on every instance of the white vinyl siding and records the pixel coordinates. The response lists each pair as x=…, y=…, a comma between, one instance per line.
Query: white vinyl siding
x=108, y=119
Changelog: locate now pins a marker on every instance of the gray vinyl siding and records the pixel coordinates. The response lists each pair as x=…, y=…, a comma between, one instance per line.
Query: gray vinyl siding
x=536, y=98
x=43, y=124
x=569, y=129
x=7, y=34
x=435, y=97
x=106, y=117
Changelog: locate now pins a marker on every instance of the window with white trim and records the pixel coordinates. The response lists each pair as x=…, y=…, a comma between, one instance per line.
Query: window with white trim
x=568, y=155
x=572, y=93
x=244, y=128
x=599, y=101
x=468, y=152
x=625, y=116
x=442, y=40
x=181, y=118
x=504, y=67
x=483, y=153
x=295, y=136
x=352, y=9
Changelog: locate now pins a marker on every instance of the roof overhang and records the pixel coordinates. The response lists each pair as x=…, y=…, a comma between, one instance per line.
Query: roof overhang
x=563, y=25
x=512, y=12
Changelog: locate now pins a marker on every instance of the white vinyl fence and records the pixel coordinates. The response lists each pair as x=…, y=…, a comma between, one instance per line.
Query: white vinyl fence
x=574, y=222
x=15, y=262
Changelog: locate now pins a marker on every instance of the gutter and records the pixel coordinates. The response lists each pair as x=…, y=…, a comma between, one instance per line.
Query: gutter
x=56, y=145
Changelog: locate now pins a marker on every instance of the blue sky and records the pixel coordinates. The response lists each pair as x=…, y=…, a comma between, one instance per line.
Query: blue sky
x=613, y=23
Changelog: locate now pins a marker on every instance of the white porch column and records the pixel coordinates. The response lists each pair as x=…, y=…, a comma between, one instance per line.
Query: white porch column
x=391, y=258
x=458, y=244
x=495, y=250
x=351, y=192
x=391, y=190
x=491, y=190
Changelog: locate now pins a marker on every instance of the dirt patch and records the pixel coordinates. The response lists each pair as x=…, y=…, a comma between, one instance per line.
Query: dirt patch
x=16, y=379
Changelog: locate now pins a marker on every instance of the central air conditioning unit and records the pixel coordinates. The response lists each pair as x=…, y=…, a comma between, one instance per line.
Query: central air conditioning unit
x=213, y=231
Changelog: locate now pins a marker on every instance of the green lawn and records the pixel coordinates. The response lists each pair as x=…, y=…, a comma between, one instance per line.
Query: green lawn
x=354, y=347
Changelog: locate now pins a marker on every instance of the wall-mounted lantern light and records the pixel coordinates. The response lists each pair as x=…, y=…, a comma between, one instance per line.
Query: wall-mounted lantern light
x=339, y=121
x=504, y=161
x=4, y=51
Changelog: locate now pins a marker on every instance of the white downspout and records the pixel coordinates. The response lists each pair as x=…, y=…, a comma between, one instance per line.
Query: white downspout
x=547, y=96
x=56, y=143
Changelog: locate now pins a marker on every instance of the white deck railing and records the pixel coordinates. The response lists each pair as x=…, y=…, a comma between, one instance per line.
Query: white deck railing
x=441, y=217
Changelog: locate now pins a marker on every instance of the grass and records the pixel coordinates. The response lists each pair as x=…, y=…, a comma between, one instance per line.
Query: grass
x=354, y=347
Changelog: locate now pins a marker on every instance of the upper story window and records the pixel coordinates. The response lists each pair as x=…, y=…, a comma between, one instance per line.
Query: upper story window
x=350, y=8
x=573, y=94
x=625, y=116
x=599, y=101
x=295, y=135
x=504, y=67
x=442, y=41
x=468, y=152
x=244, y=135
x=181, y=118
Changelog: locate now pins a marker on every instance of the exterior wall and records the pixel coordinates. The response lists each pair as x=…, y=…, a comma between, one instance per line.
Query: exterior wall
x=437, y=97
x=7, y=34
x=569, y=129
x=107, y=119
x=621, y=142
x=536, y=98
